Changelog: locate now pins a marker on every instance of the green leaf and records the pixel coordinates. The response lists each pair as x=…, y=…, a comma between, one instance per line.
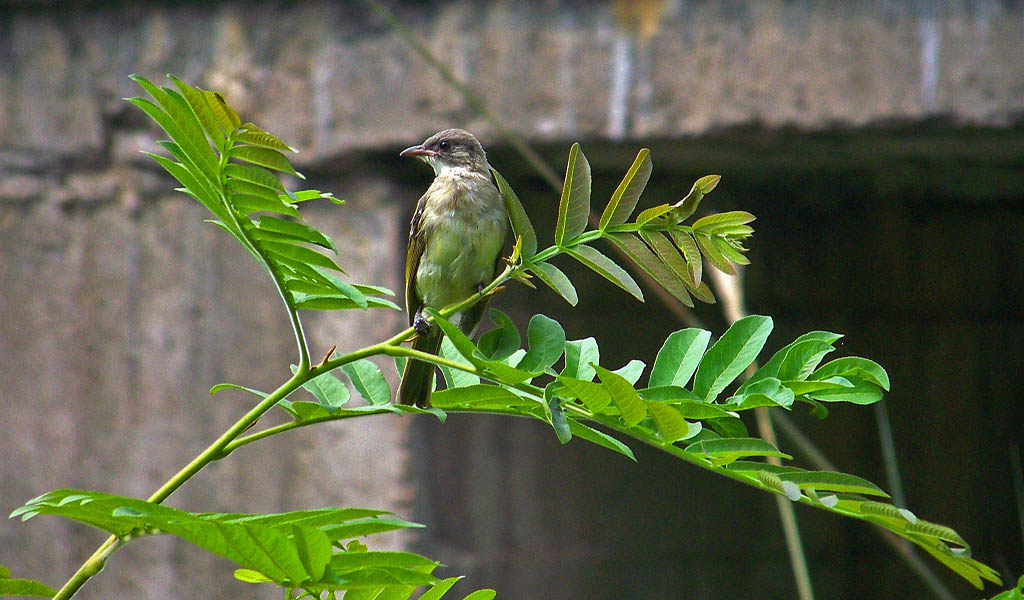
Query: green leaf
x=707, y=183
x=729, y=250
x=213, y=126
x=679, y=356
x=714, y=255
x=295, y=230
x=440, y=589
x=624, y=200
x=26, y=588
x=500, y=342
x=231, y=386
x=631, y=371
x=831, y=481
x=640, y=254
x=263, y=201
x=725, y=450
x=593, y=395
x=605, y=267
x=765, y=392
x=499, y=370
x=862, y=392
x=803, y=358
x=286, y=547
x=712, y=224
x=730, y=355
x=600, y=438
x=688, y=205
x=574, y=206
x=300, y=254
x=670, y=422
x=771, y=368
x=327, y=389
x=650, y=214
x=460, y=340
x=255, y=175
x=854, y=366
x=800, y=388
x=205, y=193
x=623, y=395
x=314, y=549
x=254, y=136
x=558, y=420
x=341, y=303
x=250, y=576
x=368, y=380
x=521, y=225
x=265, y=157
x=481, y=595
x=580, y=356
x=555, y=279
x=480, y=396
x=224, y=113
x=668, y=255
x=177, y=119
x=454, y=377
x=688, y=246
x=546, y=340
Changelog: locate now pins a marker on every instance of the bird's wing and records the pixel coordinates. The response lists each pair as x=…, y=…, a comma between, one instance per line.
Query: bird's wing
x=413, y=302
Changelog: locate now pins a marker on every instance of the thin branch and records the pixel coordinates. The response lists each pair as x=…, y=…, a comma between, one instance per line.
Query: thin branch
x=730, y=290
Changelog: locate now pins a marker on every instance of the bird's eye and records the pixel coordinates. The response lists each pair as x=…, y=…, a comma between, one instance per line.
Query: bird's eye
x=445, y=145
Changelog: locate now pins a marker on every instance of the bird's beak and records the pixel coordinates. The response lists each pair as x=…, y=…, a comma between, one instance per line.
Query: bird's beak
x=417, y=150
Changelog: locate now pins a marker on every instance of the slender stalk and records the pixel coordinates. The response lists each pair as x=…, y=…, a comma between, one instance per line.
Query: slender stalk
x=731, y=292
x=910, y=556
x=94, y=564
x=888, y=443
x=227, y=442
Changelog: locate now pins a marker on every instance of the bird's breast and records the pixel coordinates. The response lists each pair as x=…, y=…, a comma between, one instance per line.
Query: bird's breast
x=464, y=227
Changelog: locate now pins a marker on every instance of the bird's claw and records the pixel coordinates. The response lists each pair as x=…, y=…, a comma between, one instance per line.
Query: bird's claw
x=420, y=324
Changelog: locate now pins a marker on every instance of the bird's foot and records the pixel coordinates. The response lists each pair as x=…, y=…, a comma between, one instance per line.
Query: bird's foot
x=420, y=324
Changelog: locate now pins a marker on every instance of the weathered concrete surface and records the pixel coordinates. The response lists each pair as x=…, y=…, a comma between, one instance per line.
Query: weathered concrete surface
x=337, y=80
x=119, y=308
x=118, y=315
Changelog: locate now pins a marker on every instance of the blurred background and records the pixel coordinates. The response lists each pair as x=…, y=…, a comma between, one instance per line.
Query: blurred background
x=880, y=144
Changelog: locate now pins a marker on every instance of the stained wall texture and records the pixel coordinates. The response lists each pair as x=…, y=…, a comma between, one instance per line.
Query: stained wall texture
x=119, y=307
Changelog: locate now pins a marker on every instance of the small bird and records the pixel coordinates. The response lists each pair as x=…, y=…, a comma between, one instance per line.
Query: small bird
x=455, y=242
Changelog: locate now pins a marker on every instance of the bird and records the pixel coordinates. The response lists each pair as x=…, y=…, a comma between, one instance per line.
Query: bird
x=456, y=238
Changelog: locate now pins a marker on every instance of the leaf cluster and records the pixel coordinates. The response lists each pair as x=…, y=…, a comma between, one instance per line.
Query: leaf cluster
x=688, y=404
x=316, y=552
x=657, y=241
x=234, y=170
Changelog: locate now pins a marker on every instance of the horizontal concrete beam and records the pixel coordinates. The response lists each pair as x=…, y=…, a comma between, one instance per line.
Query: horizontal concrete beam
x=336, y=79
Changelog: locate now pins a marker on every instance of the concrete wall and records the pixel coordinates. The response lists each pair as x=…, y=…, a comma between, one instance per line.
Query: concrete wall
x=119, y=307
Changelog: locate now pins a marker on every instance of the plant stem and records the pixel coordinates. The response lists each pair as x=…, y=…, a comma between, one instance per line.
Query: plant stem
x=228, y=441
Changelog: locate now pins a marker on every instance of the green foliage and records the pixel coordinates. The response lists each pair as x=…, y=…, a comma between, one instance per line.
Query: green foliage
x=683, y=409
x=232, y=168
x=10, y=587
x=657, y=242
x=1016, y=593
x=315, y=551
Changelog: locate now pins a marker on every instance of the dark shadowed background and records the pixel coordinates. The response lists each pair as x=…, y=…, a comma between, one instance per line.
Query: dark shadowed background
x=880, y=144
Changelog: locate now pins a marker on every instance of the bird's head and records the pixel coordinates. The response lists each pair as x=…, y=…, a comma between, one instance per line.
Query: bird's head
x=451, y=148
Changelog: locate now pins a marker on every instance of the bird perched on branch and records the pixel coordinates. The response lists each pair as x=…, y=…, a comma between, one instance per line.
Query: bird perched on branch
x=455, y=242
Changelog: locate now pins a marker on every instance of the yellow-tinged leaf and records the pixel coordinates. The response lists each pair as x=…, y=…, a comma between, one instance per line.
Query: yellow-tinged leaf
x=625, y=397
x=624, y=200
x=574, y=206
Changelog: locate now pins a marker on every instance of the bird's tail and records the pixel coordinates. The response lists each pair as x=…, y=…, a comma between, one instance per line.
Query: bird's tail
x=418, y=378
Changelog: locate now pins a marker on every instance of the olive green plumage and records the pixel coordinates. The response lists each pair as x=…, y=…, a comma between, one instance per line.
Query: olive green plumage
x=455, y=242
